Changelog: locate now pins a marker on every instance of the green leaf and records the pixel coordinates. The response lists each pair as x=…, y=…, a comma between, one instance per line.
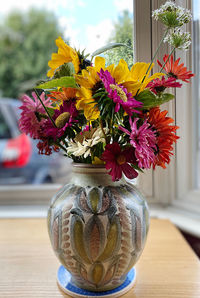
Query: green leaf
x=64, y=70
x=61, y=82
x=150, y=100
x=108, y=47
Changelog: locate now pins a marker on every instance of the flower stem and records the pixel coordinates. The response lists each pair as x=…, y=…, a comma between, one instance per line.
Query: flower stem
x=45, y=108
x=160, y=43
x=167, y=59
x=62, y=147
x=101, y=125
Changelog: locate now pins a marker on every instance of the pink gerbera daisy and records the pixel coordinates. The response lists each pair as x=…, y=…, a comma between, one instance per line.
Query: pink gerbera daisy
x=143, y=139
x=63, y=118
x=117, y=161
x=159, y=85
x=29, y=122
x=119, y=94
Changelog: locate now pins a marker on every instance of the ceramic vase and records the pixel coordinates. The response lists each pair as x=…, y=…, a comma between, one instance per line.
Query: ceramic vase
x=97, y=228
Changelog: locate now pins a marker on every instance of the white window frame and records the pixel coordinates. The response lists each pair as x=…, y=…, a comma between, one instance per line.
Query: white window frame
x=173, y=192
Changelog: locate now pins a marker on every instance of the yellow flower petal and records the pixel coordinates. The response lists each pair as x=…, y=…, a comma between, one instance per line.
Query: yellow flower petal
x=65, y=54
x=121, y=72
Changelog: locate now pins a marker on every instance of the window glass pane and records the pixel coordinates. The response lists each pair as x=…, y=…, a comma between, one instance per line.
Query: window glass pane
x=28, y=32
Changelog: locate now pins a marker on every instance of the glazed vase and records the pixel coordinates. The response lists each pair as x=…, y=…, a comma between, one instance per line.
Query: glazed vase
x=97, y=228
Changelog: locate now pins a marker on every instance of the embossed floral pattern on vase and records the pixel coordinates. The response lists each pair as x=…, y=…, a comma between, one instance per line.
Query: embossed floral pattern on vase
x=98, y=232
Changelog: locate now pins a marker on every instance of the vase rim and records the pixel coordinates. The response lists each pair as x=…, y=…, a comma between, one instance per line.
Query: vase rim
x=87, y=165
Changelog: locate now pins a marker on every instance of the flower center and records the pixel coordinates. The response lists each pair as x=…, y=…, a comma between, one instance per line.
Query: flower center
x=121, y=159
x=62, y=119
x=120, y=92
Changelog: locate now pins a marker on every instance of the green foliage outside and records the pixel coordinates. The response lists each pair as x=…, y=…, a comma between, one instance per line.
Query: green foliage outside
x=123, y=33
x=27, y=41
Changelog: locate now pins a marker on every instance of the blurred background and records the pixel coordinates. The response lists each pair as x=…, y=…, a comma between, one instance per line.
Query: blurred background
x=28, y=32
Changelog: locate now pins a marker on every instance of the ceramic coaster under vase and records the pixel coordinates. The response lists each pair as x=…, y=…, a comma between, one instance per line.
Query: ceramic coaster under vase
x=65, y=283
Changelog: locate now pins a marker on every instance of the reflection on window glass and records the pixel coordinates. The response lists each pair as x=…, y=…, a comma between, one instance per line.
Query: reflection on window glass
x=196, y=81
x=28, y=32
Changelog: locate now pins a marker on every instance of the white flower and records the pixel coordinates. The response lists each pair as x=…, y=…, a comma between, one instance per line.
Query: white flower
x=82, y=144
x=172, y=15
x=179, y=39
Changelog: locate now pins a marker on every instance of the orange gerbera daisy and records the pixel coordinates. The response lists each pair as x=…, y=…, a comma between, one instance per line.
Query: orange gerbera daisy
x=175, y=70
x=63, y=95
x=166, y=135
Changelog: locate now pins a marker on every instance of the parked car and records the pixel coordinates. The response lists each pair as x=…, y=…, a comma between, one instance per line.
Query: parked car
x=20, y=162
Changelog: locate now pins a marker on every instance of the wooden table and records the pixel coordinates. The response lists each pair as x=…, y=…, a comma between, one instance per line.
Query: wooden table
x=168, y=268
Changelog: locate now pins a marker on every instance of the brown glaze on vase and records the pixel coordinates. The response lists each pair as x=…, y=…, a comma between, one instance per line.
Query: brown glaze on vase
x=97, y=227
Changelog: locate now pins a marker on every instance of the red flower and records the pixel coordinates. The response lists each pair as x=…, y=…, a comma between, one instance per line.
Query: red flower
x=166, y=135
x=172, y=68
x=117, y=161
x=159, y=85
x=44, y=147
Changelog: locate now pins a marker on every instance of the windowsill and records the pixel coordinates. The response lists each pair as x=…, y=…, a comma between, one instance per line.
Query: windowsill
x=184, y=220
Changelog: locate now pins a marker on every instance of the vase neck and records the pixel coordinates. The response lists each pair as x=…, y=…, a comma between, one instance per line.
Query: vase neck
x=92, y=175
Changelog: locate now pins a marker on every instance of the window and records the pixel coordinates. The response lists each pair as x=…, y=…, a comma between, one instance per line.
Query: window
x=174, y=192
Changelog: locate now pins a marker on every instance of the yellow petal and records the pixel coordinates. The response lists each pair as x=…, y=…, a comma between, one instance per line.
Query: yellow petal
x=99, y=63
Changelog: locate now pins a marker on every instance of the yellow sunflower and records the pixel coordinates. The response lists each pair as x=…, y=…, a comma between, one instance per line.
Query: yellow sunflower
x=139, y=77
x=89, y=82
x=65, y=54
x=134, y=80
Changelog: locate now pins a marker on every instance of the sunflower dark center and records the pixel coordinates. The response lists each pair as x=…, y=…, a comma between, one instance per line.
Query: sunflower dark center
x=97, y=86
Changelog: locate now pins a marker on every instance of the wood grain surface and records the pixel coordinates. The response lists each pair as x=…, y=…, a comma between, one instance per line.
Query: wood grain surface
x=168, y=268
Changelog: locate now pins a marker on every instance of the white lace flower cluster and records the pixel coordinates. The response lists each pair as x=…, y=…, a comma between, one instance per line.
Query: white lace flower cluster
x=179, y=39
x=83, y=143
x=172, y=15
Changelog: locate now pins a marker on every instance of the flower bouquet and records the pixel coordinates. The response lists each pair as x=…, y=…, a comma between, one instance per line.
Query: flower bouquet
x=98, y=113
x=106, y=118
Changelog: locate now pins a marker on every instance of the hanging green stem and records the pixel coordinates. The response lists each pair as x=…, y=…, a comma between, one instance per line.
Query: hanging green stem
x=167, y=59
x=45, y=108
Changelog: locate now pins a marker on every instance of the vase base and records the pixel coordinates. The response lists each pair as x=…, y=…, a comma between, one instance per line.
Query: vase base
x=64, y=281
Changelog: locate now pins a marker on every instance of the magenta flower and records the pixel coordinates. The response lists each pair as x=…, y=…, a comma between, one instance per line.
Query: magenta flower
x=119, y=94
x=117, y=161
x=28, y=122
x=159, y=85
x=143, y=139
x=63, y=118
